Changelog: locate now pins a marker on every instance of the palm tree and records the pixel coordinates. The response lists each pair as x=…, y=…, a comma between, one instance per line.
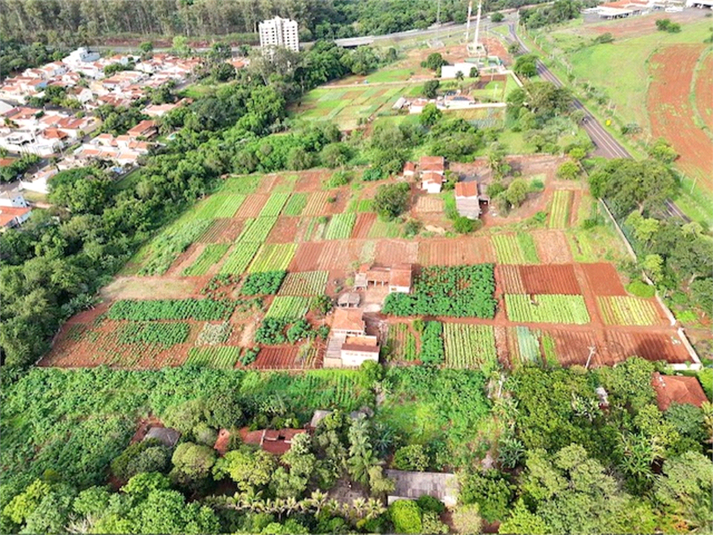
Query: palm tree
x=318, y=501
x=374, y=508
x=359, y=506
x=332, y=505
x=291, y=505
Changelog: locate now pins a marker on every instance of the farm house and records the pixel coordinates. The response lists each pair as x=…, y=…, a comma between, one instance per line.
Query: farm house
x=467, y=199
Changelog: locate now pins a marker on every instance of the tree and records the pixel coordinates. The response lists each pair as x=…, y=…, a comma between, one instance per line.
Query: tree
x=568, y=171
x=460, y=76
x=653, y=265
x=522, y=522
x=490, y=491
x=466, y=519
x=662, y=151
x=391, y=200
x=435, y=61
x=430, y=88
x=192, y=464
x=526, y=65
x=517, y=192
x=497, y=17
x=464, y=225
x=250, y=470
x=430, y=115
x=361, y=454
x=702, y=292
x=684, y=488
x=473, y=72
x=411, y=457
x=405, y=515
x=335, y=155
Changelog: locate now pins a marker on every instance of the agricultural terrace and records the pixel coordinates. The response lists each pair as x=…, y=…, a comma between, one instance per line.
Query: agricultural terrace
x=662, y=85
x=239, y=282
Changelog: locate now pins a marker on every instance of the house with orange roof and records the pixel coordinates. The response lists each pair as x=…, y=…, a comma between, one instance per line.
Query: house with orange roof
x=467, y=199
x=13, y=216
x=145, y=129
x=677, y=389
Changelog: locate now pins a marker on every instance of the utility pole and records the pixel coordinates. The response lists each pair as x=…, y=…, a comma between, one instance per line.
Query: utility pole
x=438, y=13
x=592, y=351
x=477, y=26
x=467, y=22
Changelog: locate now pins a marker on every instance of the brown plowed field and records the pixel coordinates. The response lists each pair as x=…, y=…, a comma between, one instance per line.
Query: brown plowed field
x=310, y=180
x=603, y=279
x=276, y=358
x=284, y=231
x=552, y=247
x=671, y=113
x=648, y=345
x=307, y=257
x=426, y=204
x=339, y=254
x=456, y=252
x=509, y=280
x=251, y=206
x=704, y=90
x=553, y=279
x=222, y=231
x=573, y=347
x=363, y=224
x=390, y=252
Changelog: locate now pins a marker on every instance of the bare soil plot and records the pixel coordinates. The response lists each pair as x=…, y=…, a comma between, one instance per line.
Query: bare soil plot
x=317, y=204
x=390, y=252
x=307, y=257
x=508, y=279
x=552, y=247
x=552, y=279
x=573, y=347
x=284, y=231
x=311, y=180
x=252, y=205
x=455, y=252
x=704, y=90
x=222, y=231
x=276, y=358
x=339, y=254
x=426, y=204
x=150, y=288
x=363, y=224
x=652, y=346
x=603, y=279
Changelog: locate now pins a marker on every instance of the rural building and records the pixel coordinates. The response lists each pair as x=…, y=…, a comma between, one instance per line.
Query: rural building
x=79, y=56
x=398, y=278
x=13, y=198
x=620, y=9
x=413, y=485
x=357, y=349
x=274, y=441
x=279, y=32
x=165, y=435
x=431, y=182
x=13, y=216
x=677, y=389
x=467, y=199
x=451, y=71
x=435, y=164
x=348, y=322
x=348, y=300
x=409, y=170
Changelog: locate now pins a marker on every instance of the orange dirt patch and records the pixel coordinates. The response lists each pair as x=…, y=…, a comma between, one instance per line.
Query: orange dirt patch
x=339, y=254
x=455, y=252
x=252, y=205
x=553, y=279
x=552, y=247
x=603, y=279
x=284, y=231
x=307, y=257
x=363, y=224
x=651, y=346
x=671, y=113
x=704, y=91
x=390, y=252
x=222, y=231
x=509, y=279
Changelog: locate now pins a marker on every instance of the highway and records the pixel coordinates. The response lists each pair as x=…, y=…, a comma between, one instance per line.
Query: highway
x=604, y=143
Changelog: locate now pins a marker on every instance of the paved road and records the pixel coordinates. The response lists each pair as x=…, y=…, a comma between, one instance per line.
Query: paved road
x=603, y=140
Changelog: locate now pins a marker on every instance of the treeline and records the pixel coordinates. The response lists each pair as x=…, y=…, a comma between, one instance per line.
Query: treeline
x=560, y=11
x=16, y=56
x=51, y=268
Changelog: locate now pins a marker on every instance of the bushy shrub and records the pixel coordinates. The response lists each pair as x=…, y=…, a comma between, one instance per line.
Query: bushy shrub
x=405, y=516
x=411, y=457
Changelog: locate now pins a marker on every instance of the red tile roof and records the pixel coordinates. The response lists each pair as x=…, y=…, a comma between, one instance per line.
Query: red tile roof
x=432, y=163
x=679, y=389
x=431, y=177
x=467, y=189
x=9, y=213
x=401, y=276
x=346, y=319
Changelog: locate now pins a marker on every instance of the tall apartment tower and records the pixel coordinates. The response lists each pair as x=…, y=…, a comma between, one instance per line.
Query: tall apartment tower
x=280, y=32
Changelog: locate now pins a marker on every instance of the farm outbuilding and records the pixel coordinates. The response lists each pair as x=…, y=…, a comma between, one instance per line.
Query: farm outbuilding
x=677, y=389
x=413, y=485
x=348, y=300
x=165, y=435
x=467, y=199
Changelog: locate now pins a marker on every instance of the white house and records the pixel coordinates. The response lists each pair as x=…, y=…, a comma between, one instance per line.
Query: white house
x=357, y=349
x=13, y=198
x=40, y=180
x=80, y=56
x=451, y=71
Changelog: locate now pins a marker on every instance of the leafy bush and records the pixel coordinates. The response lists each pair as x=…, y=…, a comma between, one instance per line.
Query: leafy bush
x=372, y=174
x=432, y=343
x=431, y=504
x=249, y=356
x=490, y=491
x=271, y=331
x=338, y=178
x=405, y=516
x=464, y=225
x=411, y=457
x=264, y=283
x=299, y=331
x=640, y=289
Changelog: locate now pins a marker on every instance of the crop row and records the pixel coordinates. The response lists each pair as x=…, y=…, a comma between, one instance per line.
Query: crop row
x=210, y=256
x=274, y=205
x=340, y=227
x=317, y=203
x=547, y=308
x=171, y=309
x=528, y=345
x=273, y=257
x=240, y=258
x=401, y=343
x=296, y=204
x=257, y=229
x=220, y=205
x=559, y=212
x=305, y=283
x=161, y=334
x=288, y=307
x=170, y=243
x=626, y=310
x=469, y=346
x=223, y=357
x=515, y=249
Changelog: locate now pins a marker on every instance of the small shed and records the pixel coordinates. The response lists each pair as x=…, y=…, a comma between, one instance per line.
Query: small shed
x=349, y=299
x=165, y=435
x=467, y=199
x=413, y=485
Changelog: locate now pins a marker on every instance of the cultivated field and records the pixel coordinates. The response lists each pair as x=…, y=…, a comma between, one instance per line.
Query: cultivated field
x=184, y=300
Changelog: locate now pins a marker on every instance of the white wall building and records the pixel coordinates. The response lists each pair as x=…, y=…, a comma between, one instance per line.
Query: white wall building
x=451, y=71
x=81, y=55
x=281, y=33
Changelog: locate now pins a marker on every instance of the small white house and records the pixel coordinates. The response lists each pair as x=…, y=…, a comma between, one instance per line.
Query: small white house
x=13, y=198
x=358, y=349
x=431, y=182
x=81, y=55
x=451, y=71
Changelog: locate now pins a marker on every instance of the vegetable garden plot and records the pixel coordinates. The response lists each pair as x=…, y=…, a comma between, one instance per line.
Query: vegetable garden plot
x=651, y=346
x=553, y=279
x=222, y=230
x=214, y=333
x=528, y=345
x=363, y=223
x=296, y=204
x=391, y=252
x=560, y=209
x=427, y=204
x=273, y=257
x=171, y=309
x=384, y=229
x=239, y=258
x=278, y=358
x=552, y=247
x=160, y=334
x=223, y=357
x=317, y=203
x=336, y=255
x=211, y=255
x=401, y=343
x=305, y=283
x=257, y=230
x=285, y=230
x=510, y=279
x=625, y=310
x=469, y=346
x=515, y=249
x=547, y=309
x=313, y=229
x=244, y=184
x=307, y=257
x=252, y=205
x=288, y=307
x=169, y=244
x=219, y=205
x=274, y=205
x=340, y=227
x=459, y=291
x=603, y=279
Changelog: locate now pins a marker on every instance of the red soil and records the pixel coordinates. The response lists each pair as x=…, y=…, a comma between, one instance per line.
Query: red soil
x=252, y=205
x=552, y=247
x=363, y=224
x=284, y=231
x=704, y=91
x=307, y=257
x=390, y=252
x=453, y=252
x=555, y=279
x=222, y=231
x=671, y=114
x=603, y=279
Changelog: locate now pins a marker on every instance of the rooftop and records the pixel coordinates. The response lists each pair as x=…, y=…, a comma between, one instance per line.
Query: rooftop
x=348, y=319
x=412, y=485
x=467, y=189
x=677, y=389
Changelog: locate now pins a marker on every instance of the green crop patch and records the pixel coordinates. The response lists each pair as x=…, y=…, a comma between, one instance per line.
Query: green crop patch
x=401, y=343
x=257, y=229
x=221, y=357
x=288, y=307
x=296, y=204
x=458, y=291
x=560, y=209
x=515, y=249
x=273, y=257
x=274, y=205
x=470, y=346
x=305, y=283
x=340, y=227
x=245, y=184
x=239, y=258
x=171, y=309
x=626, y=310
x=262, y=283
x=547, y=309
x=160, y=334
x=169, y=244
x=211, y=255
